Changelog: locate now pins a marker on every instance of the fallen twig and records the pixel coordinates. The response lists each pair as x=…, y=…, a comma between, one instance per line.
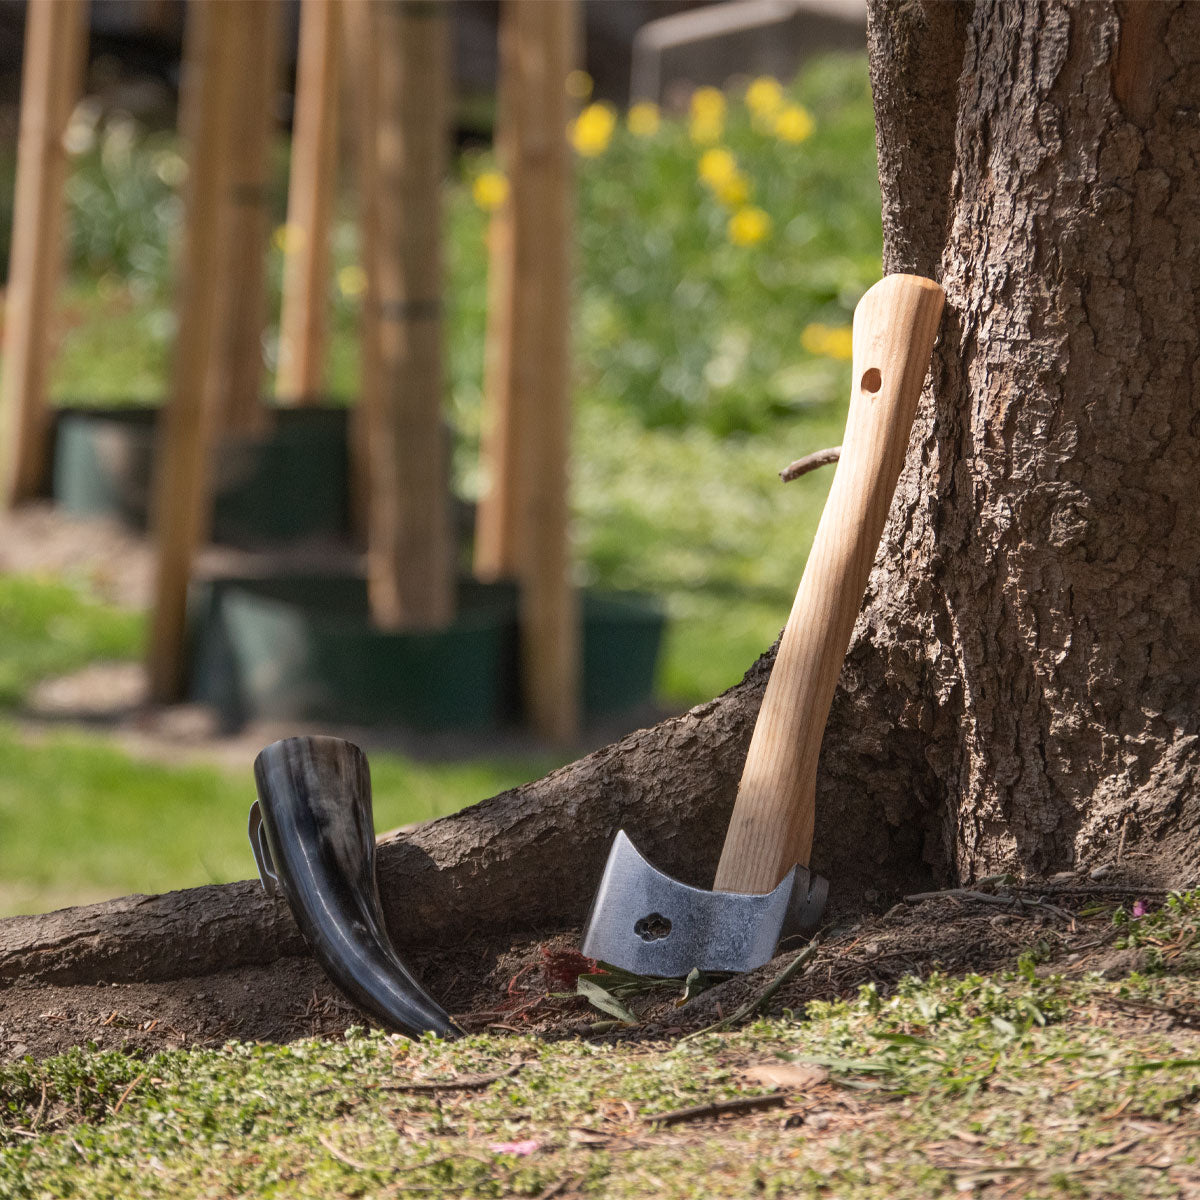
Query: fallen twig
x=1181, y=1016
x=125, y=1094
x=463, y=1083
x=752, y=1006
x=810, y=462
x=739, y=1104
x=1015, y=903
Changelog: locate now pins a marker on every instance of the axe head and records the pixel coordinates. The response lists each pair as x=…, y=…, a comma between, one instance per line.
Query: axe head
x=646, y=922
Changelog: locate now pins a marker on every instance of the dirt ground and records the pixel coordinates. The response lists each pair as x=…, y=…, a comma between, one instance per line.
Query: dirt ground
x=523, y=985
x=520, y=986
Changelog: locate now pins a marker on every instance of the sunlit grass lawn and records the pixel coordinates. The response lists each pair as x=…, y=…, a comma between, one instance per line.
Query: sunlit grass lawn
x=81, y=820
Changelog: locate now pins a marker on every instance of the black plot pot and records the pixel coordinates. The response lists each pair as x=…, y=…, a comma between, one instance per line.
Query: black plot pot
x=313, y=836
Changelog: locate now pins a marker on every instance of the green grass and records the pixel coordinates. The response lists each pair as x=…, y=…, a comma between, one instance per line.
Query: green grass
x=1010, y=1084
x=48, y=627
x=84, y=821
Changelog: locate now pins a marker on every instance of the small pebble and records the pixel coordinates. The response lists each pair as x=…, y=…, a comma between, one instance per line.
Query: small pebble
x=871, y=949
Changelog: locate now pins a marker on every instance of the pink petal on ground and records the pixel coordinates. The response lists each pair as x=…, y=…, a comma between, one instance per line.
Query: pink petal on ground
x=521, y=1148
x=1139, y=908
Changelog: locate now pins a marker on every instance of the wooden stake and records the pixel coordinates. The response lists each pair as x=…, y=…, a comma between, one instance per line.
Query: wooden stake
x=243, y=285
x=55, y=50
x=362, y=75
x=303, y=321
x=181, y=493
x=523, y=523
x=410, y=555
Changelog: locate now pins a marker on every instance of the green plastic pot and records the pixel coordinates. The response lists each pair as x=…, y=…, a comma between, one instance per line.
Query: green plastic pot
x=301, y=647
x=284, y=485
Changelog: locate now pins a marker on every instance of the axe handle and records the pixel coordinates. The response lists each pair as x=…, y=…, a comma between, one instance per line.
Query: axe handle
x=771, y=830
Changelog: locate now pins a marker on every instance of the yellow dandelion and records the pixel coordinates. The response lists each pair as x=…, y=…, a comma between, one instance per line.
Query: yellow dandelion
x=708, y=116
x=643, y=119
x=827, y=341
x=764, y=97
x=734, y=191
x=290, y=238
x=794, y=123
x=352, y=281
x=592, y=130
x=708, y=103
x=489, y=191
x=579, y=85
x=716, y=166
x=840, y=343
x=748, y=226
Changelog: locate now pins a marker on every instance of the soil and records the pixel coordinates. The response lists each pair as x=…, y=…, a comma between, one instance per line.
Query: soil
x=525, y=985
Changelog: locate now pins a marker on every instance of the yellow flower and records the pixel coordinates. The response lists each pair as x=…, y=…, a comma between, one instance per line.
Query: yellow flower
x=794, y=123
x=748, y=226
x=592, y=130
x=643, y=119
x=828, y=341
x=579, y=85
x=734, y=191
x=352, y=281
x=717, y=166
x=764, y=97
x=289, y=238
x=708, y=115
x=490, y=190
x=708, y=103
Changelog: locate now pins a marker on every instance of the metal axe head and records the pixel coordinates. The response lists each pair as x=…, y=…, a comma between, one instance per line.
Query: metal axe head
x=644, y=921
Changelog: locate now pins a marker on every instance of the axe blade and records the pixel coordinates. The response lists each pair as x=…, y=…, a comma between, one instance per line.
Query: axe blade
x=644, y=921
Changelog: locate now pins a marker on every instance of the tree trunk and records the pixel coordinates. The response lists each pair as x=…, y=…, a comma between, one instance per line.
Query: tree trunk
x=1032, y=631
x=1020, y=691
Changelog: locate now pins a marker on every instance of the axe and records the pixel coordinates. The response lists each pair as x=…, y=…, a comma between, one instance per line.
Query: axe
x=647, y=922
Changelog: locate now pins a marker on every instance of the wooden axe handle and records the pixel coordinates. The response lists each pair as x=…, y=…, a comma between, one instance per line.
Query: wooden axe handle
x=771, y=830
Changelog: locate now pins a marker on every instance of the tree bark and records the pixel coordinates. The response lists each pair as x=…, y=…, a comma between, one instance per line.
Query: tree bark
x=1020, y=691
x=1032, y=627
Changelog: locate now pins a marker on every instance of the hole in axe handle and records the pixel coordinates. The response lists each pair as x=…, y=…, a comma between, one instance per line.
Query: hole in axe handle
x=653, y=928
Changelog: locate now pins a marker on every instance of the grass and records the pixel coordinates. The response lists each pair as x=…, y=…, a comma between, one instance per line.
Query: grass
x=1018, y=1083
x=84, y=821
x=49, y=627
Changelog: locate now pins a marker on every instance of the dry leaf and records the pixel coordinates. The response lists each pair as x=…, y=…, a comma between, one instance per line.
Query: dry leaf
x=797, y=1077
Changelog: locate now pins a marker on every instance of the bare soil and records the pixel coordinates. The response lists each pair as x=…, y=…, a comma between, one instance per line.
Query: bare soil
x=524, y=985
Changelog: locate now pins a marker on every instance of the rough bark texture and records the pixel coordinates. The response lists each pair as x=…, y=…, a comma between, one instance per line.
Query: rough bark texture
x=1033, y=630
x=1021, y=690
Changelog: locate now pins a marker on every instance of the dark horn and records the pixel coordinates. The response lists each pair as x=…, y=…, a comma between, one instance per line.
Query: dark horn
x=319, y=847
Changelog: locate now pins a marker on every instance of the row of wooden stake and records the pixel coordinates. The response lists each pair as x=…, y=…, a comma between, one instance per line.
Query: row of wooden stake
x=396, y=62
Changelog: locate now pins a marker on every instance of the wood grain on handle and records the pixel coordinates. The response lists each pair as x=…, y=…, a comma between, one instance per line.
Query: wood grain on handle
x=771, y=830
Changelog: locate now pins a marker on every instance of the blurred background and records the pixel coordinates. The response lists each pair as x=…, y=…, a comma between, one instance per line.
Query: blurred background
x=727, y=219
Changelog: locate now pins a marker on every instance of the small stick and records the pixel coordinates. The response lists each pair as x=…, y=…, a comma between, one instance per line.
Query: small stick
x=465, y=1083
x=1181, y=1016
x=1013, y=902
x=699, y=1111
x=810, y=462
x=752, y=1006
x=125, y=1093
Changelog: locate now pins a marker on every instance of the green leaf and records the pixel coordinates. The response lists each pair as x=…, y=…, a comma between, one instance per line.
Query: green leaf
x=599, y=997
